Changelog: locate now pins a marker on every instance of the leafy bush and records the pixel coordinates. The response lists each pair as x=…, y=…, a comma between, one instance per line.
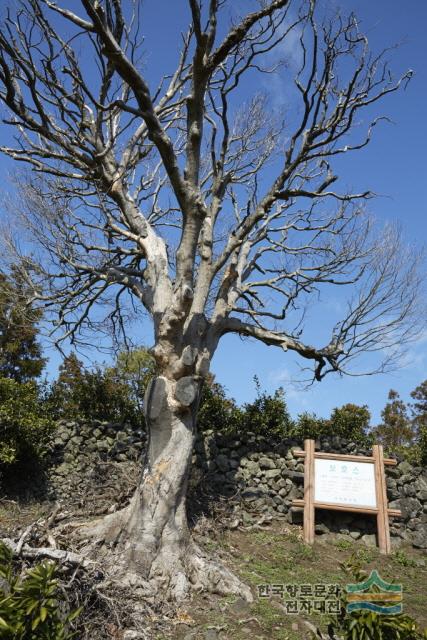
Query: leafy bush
x=350, y=421
x=24, y=421
x=419, y=421
x=98, y=394
x=217, y=412
x=422, y=445
x=374, y=626
x=368, y=625
x=267, y=414
x=30, y=605
x=308, y=425
x=401, y=558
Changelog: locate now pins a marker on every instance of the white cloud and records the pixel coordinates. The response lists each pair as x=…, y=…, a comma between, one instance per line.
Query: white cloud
x=416, y=356
x=293, y=390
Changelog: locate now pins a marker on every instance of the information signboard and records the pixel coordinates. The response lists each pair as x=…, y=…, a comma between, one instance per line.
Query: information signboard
x=344, y=482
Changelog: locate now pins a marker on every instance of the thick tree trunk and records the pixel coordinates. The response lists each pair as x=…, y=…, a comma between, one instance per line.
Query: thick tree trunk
x=150, y=540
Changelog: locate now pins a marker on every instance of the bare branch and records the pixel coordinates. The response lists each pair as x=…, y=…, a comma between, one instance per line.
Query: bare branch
x=213, y=214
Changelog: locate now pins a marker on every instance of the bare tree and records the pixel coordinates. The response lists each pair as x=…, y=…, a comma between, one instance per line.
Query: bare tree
x=215, y=216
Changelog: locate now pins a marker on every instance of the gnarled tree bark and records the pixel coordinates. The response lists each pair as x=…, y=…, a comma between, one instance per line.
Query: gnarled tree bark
x=149, y=539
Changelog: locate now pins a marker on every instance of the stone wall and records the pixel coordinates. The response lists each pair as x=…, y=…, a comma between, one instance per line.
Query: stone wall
x=95, y=463
x=251, y=476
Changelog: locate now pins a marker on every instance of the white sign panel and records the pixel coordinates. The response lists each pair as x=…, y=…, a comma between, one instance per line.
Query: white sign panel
x=342, y=482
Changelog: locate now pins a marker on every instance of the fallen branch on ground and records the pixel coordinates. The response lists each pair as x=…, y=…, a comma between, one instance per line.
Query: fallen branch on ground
x=60, y=555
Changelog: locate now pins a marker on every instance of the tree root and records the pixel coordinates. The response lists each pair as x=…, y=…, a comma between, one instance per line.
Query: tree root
x=211, y=575
x=104, y=529
x=193, y=571
x=175, y=572
x=174, y=569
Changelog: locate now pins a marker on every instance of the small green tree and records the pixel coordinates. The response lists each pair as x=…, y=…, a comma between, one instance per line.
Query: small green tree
x=419, y=419
x=267, y=414
x=135, y=368
x=308, y=425
x=25, y=423
x=368, y=625
x=217, y=411
x=350, y=421
x=396, y=430
x=20, y=352
x=63, y=396
x=97, y=394
x=30, y=602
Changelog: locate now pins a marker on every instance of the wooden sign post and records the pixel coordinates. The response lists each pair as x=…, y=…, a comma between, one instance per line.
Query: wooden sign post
x=346, y=483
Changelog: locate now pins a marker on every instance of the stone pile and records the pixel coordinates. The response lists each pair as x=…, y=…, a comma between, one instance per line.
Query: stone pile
x=80, y=451
x=252, y=474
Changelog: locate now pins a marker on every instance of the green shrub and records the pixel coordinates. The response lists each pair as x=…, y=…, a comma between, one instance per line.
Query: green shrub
x=267, y=415
x=419, y=420
x=373, y=626
x=216, y=411
x=368, y=625
x=410, y=453
x=350, y=421
x=422, y=445
x=308, y=425
x=401, y=558
x=24, y=421
x=97, y=394
x=30, y=604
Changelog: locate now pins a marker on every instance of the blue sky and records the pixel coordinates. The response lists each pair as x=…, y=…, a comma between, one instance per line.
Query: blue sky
x=393, y=165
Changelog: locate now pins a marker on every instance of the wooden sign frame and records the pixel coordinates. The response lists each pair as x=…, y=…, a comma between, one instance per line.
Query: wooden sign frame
x=381, y=510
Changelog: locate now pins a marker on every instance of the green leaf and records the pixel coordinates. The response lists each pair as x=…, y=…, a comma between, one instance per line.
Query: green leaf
x=35, y=623
x=3, y=624
x=31, y=607
x=75, y=614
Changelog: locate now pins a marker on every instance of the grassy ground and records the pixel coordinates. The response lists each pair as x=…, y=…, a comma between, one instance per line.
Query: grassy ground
x=278, y=556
